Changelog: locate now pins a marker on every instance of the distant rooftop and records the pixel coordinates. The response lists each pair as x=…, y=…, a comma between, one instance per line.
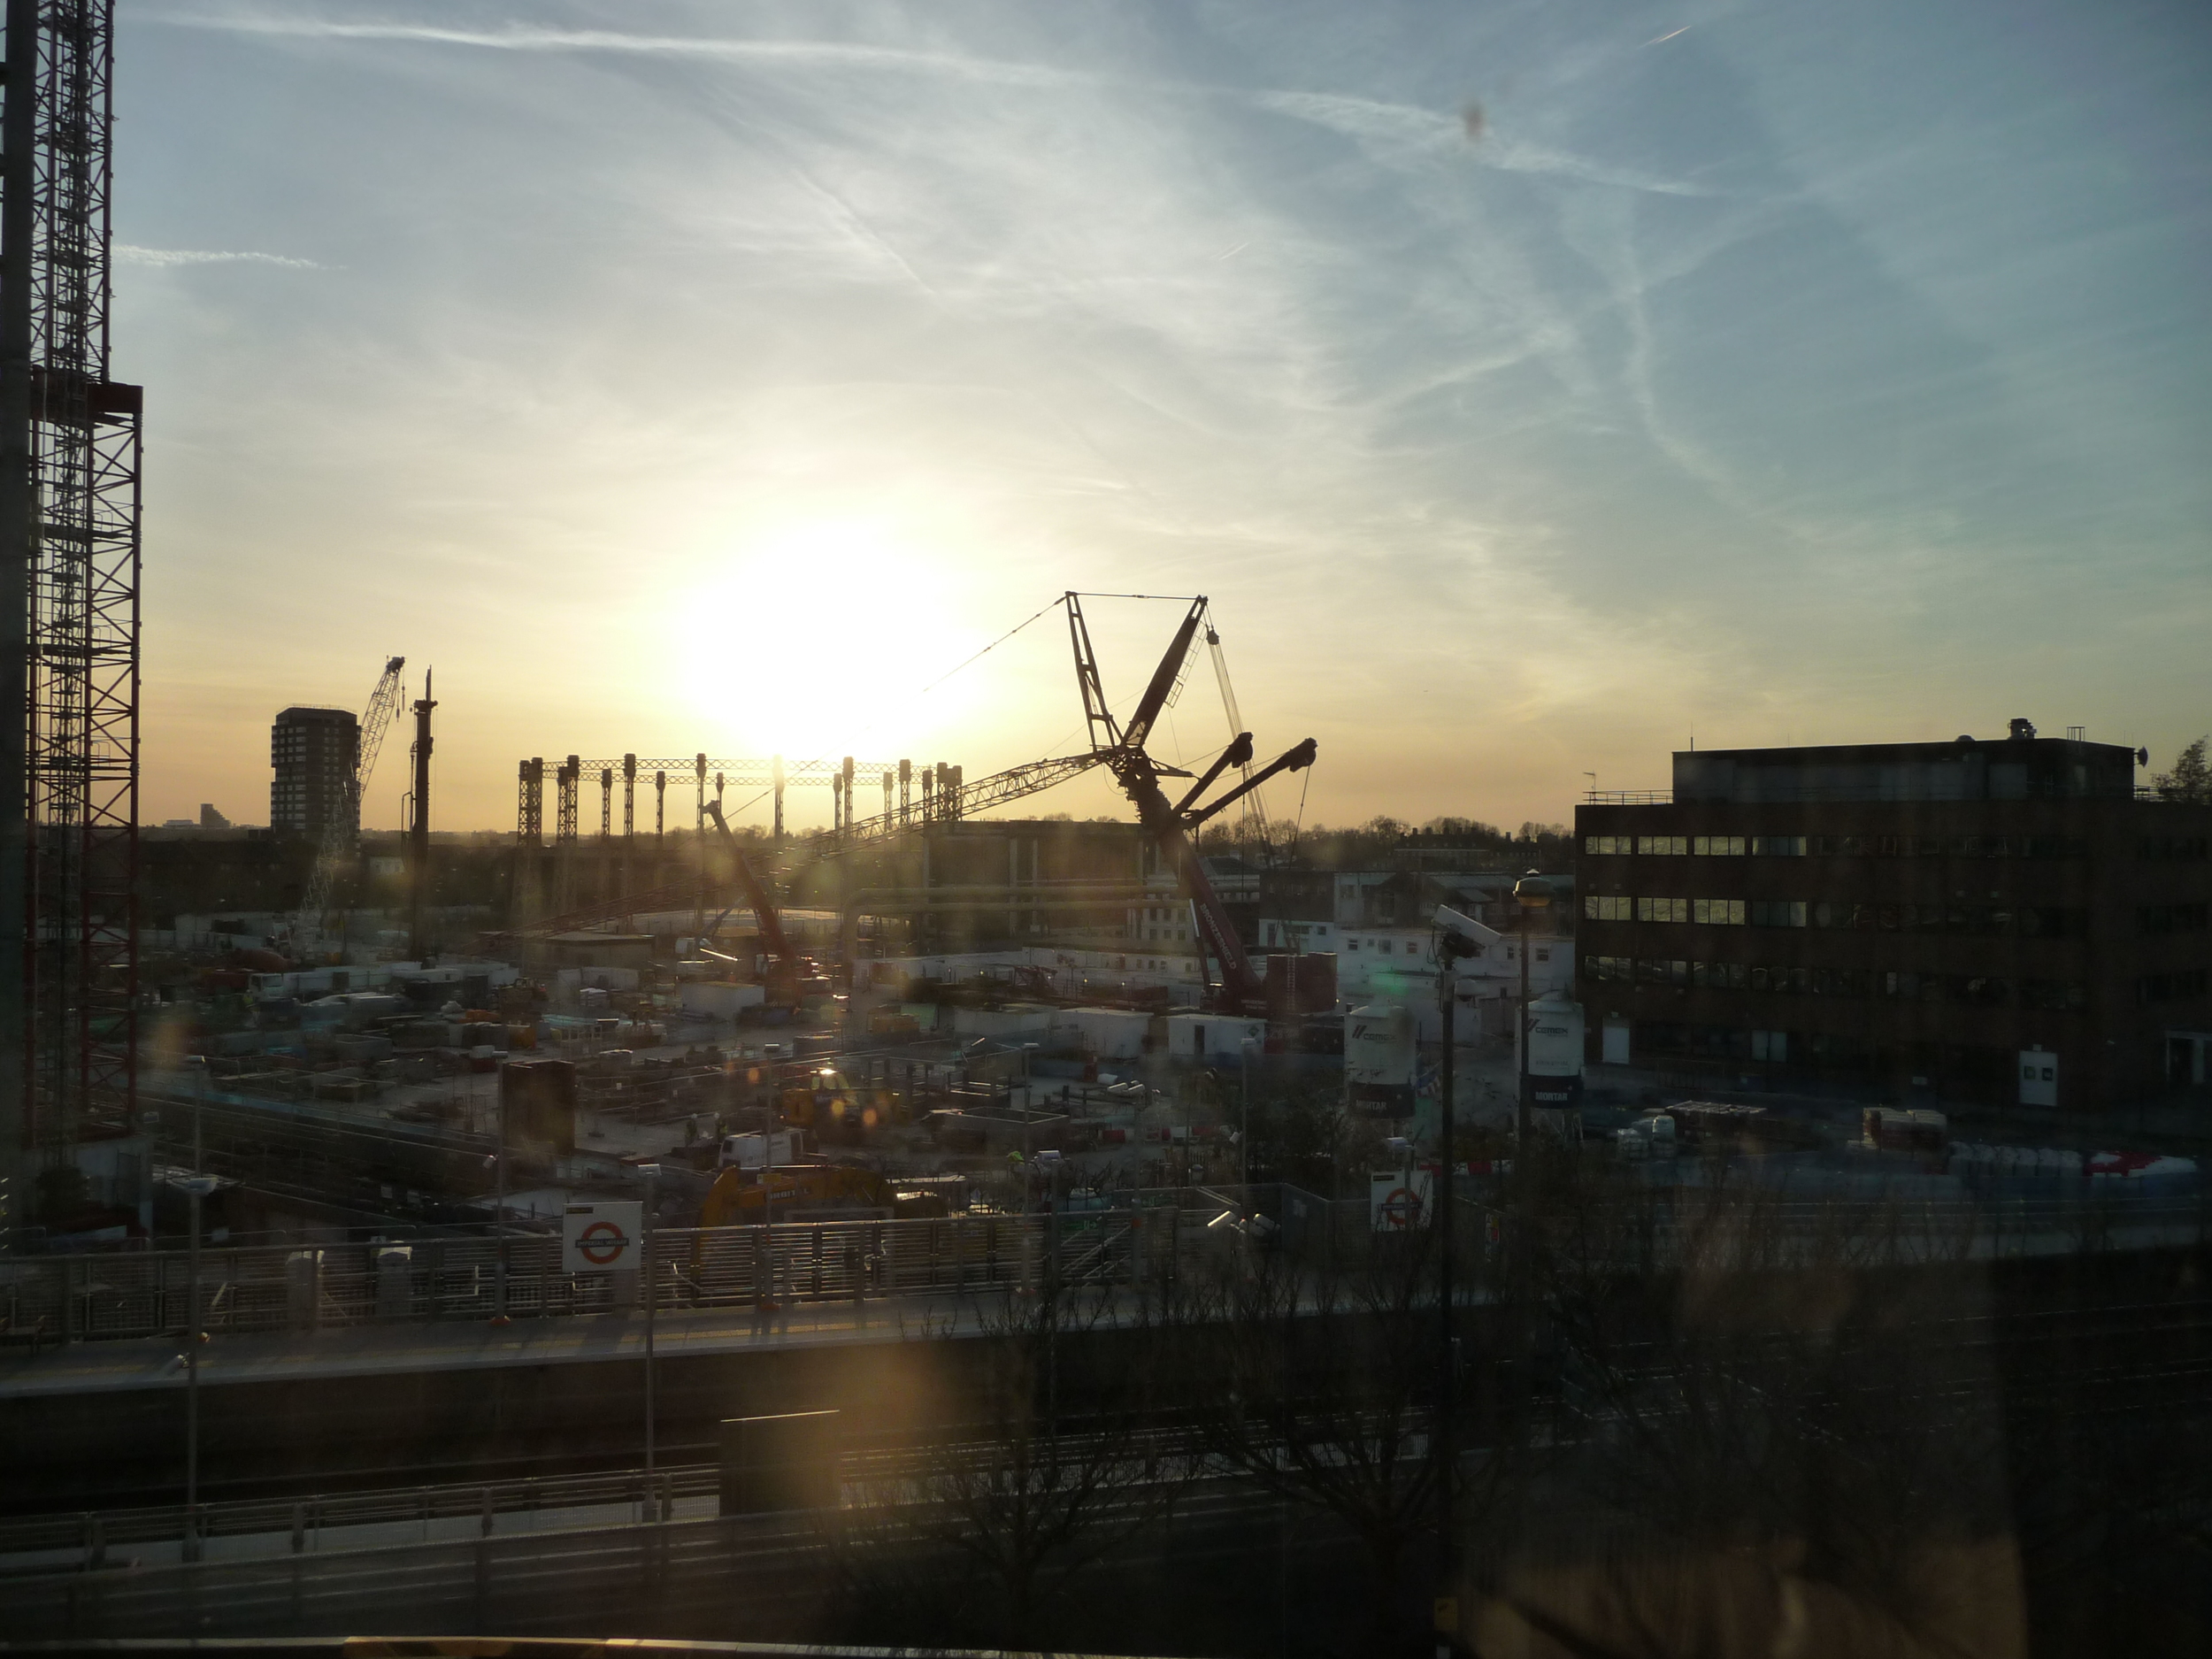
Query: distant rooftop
x=2018, y=767
x=305, y=713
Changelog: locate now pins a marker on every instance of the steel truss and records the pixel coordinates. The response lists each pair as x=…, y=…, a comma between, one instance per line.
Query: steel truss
x=83, y=659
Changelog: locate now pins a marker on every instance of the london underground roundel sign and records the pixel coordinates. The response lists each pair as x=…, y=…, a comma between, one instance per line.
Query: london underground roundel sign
x=601, y=1243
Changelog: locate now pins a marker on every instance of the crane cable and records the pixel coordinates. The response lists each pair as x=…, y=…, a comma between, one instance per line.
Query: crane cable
x=1055, y=605
x=933, y=684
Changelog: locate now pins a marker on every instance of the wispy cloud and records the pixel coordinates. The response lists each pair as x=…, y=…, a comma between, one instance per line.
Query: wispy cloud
x=1618, y=409
x=129, y=253
x=1380, y=125
x=523, y=38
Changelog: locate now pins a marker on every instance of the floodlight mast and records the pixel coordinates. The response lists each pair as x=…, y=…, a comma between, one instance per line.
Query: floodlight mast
x=1170, y=823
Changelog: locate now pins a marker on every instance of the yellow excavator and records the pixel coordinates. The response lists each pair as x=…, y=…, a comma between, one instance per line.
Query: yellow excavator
x=742, y=1197
x=823, y=1099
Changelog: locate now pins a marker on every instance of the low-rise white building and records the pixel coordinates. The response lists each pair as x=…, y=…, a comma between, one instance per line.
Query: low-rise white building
x=1398, y=964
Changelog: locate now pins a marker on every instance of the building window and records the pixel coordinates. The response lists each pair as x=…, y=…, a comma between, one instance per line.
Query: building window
x=2171, y=919
x=1604, y=907
x=1662, y=909
x=1653, y=971
x=1716, y=846
x=2051, y=993
x=1663, y=846
x=1778, y=846
x=1717, y=912
x=1777, y=912
x=2159, y=848
x=1604, y=845
x=1773, y=1046
x=2167, y=988
x=1608, y=969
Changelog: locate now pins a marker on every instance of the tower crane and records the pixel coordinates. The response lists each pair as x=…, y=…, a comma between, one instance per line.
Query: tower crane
x=342, y=832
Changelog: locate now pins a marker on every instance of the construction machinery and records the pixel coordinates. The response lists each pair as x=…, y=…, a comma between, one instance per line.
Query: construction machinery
x=419, y=827
x=1231, y=984
x=740, y=1197
x=789, y=978
x=342, y=834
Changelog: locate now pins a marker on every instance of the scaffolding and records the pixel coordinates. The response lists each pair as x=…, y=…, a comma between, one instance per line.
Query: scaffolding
x=69, y=477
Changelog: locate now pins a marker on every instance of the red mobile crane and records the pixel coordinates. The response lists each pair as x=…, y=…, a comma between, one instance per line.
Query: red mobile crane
x=787, y=971
x=1170, y=823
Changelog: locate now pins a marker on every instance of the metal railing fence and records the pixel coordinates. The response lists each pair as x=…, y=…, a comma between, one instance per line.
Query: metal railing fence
x=281, y=1288
x=755, y=1268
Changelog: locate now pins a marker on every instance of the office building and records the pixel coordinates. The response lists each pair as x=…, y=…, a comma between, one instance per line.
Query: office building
x=2010, y=921
x=314, y=752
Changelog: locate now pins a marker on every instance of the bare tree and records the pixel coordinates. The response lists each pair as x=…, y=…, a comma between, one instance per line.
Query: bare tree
x=2190, y=781
x=1058, y=1459
x=1316, y=1375
x=1771, y=1416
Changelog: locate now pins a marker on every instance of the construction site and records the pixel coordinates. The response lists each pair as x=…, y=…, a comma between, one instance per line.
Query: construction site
x=858, y=1200
x=929, y=1006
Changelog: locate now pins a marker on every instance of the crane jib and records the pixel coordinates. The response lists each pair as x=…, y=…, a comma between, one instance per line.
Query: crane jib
x=1163, y=678
x=339, y=835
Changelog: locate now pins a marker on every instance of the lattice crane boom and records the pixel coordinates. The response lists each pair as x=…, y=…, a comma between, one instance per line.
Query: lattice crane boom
x=1170, y=823
x=1255, y=813
x=340, y=834
x=383, y=705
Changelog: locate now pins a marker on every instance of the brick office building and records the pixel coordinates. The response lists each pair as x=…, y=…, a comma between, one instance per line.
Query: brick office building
x=2005, y=920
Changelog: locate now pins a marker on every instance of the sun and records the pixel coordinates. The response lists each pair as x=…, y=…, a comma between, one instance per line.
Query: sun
x=807, y=639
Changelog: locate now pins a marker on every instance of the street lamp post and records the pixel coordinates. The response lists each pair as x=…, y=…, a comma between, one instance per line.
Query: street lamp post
x=197, y=1188
x=1244, y=1133
x=652, y=1173
x=1450, y=946
x=1532, y=894
x=499, y=1212
x=199, y=1107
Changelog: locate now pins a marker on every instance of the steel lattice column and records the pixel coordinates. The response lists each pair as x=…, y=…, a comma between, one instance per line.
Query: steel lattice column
x=565, y=802
x=530, y=804
x=69, y=561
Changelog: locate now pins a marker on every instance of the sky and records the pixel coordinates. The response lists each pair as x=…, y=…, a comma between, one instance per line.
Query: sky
x=1533, y=388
